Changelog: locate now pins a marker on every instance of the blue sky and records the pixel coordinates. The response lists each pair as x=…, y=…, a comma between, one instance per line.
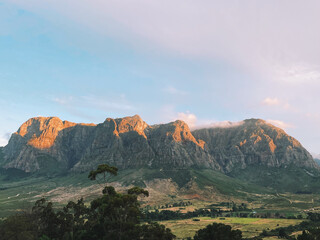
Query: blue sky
x=202, y=62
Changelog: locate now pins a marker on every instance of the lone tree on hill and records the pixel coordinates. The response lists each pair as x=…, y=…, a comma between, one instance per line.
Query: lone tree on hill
x=103, y=169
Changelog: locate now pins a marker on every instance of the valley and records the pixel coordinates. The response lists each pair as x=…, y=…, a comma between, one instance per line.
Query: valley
x=216, y=170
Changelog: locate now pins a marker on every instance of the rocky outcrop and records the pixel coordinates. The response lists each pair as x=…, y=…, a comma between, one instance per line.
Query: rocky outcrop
x=254, y=142
x=124, y=142
x=131, y=143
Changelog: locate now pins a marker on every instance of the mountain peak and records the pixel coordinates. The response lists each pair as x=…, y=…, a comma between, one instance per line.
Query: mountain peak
x=256, y=121
x=41, y=132
x=37, y=124
x=128, y=124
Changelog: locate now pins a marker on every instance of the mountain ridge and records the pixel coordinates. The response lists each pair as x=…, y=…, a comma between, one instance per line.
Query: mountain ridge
x=130, y=142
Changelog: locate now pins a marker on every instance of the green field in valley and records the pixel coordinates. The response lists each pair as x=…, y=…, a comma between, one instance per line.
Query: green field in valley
x=250, y=227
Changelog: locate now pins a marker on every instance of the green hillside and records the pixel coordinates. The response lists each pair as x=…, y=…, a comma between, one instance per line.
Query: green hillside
x=283, y=179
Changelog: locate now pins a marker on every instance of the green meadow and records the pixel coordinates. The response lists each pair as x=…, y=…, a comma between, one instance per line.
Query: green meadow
x=250, y=227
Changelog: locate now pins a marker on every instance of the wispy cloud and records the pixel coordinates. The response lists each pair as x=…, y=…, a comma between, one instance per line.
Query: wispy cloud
x=280, y=124
x=174, y=91
x=80, y=105
x=195, y=123
x=271, y=101
x=277, y=103
x=189, y=118
x=63, y=100
x=4, y=139
x=267, y=43
x=298, y=74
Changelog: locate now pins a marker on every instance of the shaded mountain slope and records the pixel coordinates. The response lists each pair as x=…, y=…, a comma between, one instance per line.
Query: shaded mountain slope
x=254, y=142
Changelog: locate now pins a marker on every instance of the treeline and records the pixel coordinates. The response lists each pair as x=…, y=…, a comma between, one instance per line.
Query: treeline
x=175, y=215
x=162, y=215
x=111, y=216
x=169, y=205
x=310, y=230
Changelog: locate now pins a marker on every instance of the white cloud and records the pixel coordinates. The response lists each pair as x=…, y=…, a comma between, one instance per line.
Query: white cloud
x=221, y=124
x=271, y=101
x=277, y=103
x=273, y=42
x=63, y=100
x=3, y=142
x=298, y=73
x=174, y=91
x=188, y=118
x=195, y=123
x=4, y=139
x=280, y=124
x=225, y=124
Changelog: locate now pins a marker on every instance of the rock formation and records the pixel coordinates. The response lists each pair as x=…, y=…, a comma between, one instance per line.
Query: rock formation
x=131, y=143
x=254, y=142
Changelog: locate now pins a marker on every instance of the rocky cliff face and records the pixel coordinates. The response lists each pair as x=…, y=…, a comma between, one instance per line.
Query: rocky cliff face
x=124, y=142
x=254, y=142
x=131, y=143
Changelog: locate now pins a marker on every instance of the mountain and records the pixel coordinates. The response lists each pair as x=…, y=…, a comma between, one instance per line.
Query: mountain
x=249, y=161
x=254, y=142
x=50, y=145
x=317, y=160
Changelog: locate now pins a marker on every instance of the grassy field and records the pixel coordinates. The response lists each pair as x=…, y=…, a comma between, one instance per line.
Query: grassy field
x=165, y=187
x=250, y=227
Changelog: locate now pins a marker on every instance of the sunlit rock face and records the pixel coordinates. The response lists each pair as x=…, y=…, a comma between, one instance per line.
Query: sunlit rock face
x=124, y=142
x=255, y=142
x=43, y=137
x=53, y=144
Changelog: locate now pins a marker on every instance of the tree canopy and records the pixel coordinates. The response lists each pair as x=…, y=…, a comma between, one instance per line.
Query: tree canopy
x=218, y=231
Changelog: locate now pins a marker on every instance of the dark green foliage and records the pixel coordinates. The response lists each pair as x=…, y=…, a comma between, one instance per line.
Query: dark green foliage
x=171, y=215
x=282, y=233
x=19, y=227
x=114, y=216
x=311, y=234
x=103, y=168
x=312, y=227
x=305, y=236
x=111, y=216
x=314, y=217
x=109, y=190
x=155, y=231
x=218, y=231
x=138, y=191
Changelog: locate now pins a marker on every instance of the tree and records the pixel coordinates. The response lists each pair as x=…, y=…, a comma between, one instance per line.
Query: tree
x=103, y=169
x=282, y=233
x=111, y=216
x=138, y=191
x=218, y=231
x=155, y=231
x=310, y=234
x=19, y=227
